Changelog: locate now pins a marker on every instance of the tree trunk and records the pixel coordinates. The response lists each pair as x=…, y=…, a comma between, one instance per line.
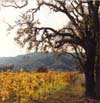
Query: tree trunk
x=97, y=87
x=89, y=69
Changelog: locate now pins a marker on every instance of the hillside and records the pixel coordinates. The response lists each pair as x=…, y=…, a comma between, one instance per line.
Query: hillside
x=33, y=61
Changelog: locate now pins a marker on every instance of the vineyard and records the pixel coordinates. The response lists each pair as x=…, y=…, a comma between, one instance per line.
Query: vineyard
x=22, y=87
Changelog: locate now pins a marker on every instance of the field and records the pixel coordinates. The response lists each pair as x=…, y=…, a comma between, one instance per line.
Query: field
x=23, y=87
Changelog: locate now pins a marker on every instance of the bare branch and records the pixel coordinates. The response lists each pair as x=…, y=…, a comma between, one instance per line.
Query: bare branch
x=76, y=8
x=78, y=56
x=70, y=41
x=55, y=31
x=74, y=56
x=15, y=5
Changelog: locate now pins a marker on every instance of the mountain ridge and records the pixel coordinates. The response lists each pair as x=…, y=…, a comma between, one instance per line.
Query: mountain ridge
x=32, y=61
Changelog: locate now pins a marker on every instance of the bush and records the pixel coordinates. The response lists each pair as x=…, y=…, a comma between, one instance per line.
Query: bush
x=42, y=69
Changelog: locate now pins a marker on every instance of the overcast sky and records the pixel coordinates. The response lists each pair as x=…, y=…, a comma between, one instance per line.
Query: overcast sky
x=8, y=47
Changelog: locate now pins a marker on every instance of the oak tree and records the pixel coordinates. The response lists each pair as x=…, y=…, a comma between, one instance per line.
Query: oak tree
x=81, y=33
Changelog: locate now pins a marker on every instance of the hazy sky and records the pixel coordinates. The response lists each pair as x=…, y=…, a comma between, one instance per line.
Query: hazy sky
x=8, y=47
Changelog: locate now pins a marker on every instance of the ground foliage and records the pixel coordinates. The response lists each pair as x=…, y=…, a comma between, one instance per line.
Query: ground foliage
x=23, y=87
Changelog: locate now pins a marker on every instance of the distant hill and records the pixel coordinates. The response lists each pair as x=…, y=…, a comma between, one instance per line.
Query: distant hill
x=32, y=61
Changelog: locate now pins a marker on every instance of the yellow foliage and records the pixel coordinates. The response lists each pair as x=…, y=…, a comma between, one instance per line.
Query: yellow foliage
x=31, y=85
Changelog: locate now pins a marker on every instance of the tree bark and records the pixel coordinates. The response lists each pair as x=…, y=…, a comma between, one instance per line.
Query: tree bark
x=89, y=69
x=97, y=87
